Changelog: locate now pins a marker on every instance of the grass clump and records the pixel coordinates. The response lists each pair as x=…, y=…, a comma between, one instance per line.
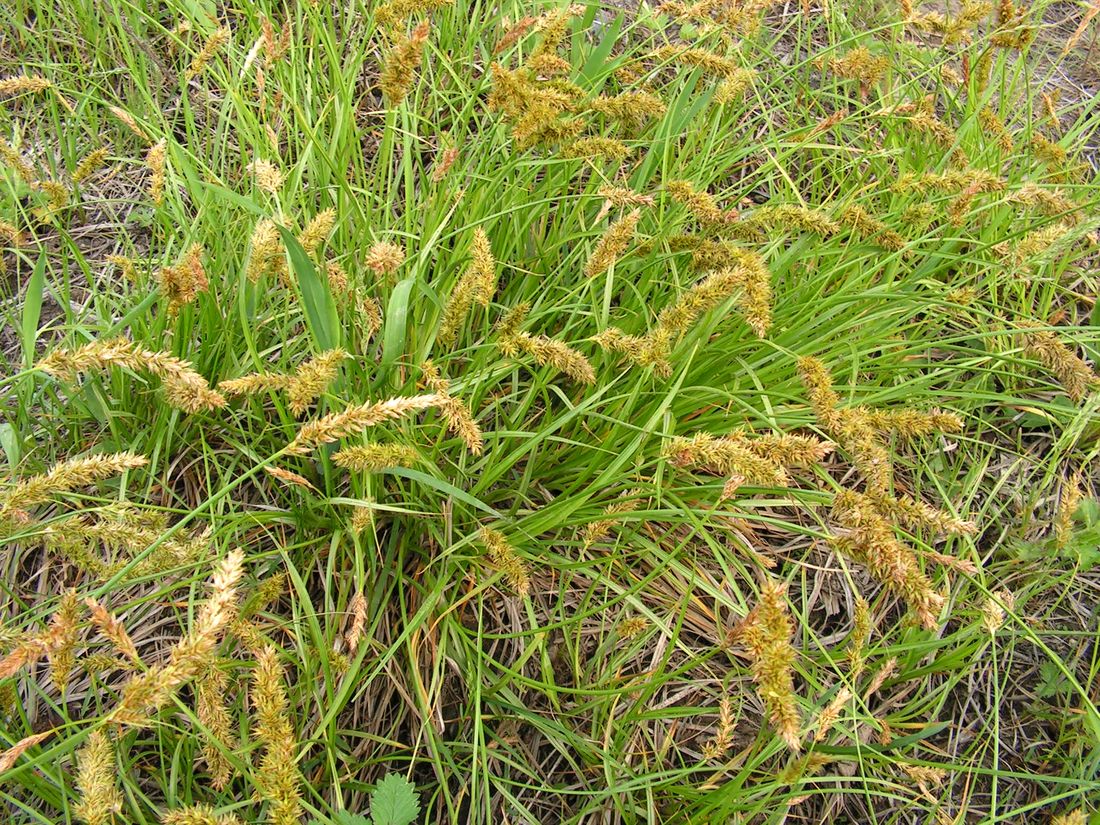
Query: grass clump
x=555, y=413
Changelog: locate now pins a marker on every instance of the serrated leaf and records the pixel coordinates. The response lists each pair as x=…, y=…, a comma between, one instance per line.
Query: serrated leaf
x=348, y=818
x=394, y=801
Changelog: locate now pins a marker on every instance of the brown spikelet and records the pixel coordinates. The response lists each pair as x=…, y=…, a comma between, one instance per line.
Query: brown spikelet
x=218, y=38
x=401, y=62
x=593, y=147
x=443, y=164
x=155, y=163
x=545, y=351
x=182, y=282
x=198, y=815
x=600, y=529
x=96, y=781
x=460, y=421
x=278, y=779
x=317, y=230
x=266, y=252
x=64, y=477
x=1042, y=344
x=869, y=539
x=211, y=689
x=714, y=64
x=476, y=285
x=356, y=419
x=766, y=633
x=129, y=122
x=1068, y=501
x=9, y=757
x=90, y=164
x=831, y=713
x=358, y=610
x=183, y=387
x=373, y=458
x=720, y=744
x=505, y=558
x=146, y=693
x=612, y=244
x=112, y=630
x=385, y=258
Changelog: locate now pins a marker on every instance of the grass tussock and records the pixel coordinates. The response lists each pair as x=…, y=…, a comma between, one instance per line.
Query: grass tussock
x=564, y=413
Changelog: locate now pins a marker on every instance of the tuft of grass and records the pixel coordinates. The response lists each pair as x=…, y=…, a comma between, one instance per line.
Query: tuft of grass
x=679, y=413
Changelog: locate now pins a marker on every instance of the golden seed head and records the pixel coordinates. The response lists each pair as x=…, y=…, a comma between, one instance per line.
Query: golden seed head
x=612, y=244
x=401, y=63
x=155, y=162
x=267, y=175
x=505, y=558
x=385, y=258
x=317, y=231
x=374, y=458
x=218, y=38
x=356, y=419
x=96, y=780
x=20, y=84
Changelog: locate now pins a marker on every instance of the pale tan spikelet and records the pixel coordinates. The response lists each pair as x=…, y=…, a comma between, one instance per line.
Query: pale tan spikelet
x=750, y=280
x=358, y=610
x=914, y=423
x=993, y=127
x=374, y=458
x=1052, y=202
x=401, y=62
x=549, y=352
x=317, y=231
x=266, y=252
x=385, y=258
x=866, y=225
x=155, y=162
x=599, y=530
x=397, y=11
x=726, y=456
x=460, y=421
x=112, y=629
x=211, y=690
x=90, y=164
x=255, y=383
x=130, y=122
x=733, y=87
x=218, y=38
x=1075, y=376
x=882, y=675
x=718, y=746
x=277, y=779
x=24, y=84
x=819, y=386
x=182, y=282
x=1068, y=501
x=593, y=147
x=58, y=198
x=27, y=651
x=505, y=558
x=61, y=639
x=443, y=165
x=184, y=388
x=702, y=205
x=858, y=638
x=198, y=815
x=337, y=278
x=11, y=157
x=612, y=244
x=993, y=611
x=651, y=350
x=1038, y=246
x=714, y=64
x=914, y=514
x=793, y=217
x=621, y=197
x=66, y=476
x=312, y=377
x=766, y=633
x=870, y=540
x=924, y=776
x=148, y=692
x=476, y=285
x=356, y=419
x=97, y=781
x=267, y=176
x=9, y=757
x=12, y=234
x=1077, y=817
x=632, y=107
x=370, y=310
x=831, y=713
